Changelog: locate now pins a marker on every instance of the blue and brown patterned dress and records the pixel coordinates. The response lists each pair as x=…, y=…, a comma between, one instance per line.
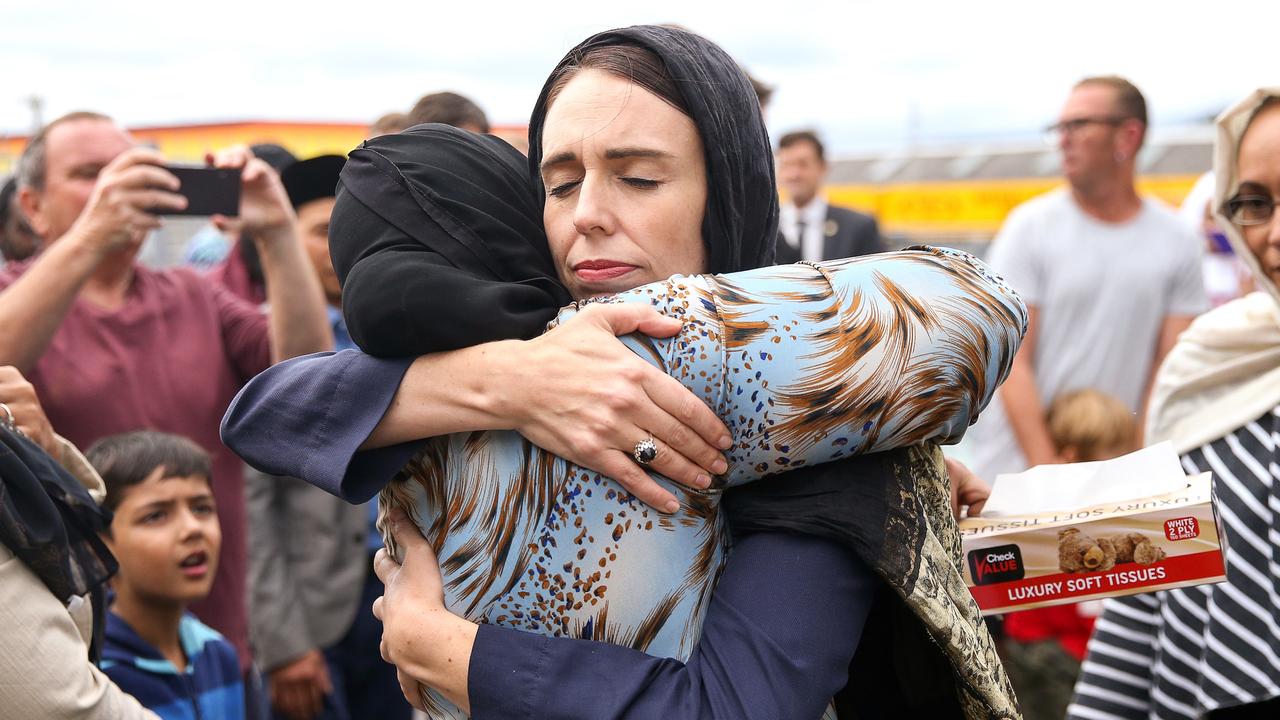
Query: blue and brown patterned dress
x=804, y=363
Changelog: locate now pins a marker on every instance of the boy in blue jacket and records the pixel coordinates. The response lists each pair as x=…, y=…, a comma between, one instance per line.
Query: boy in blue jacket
x=166, y=537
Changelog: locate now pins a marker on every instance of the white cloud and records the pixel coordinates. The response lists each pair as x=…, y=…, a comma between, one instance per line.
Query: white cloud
x=866, y=73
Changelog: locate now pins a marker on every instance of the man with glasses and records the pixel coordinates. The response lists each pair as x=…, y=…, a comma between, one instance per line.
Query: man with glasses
x=1110, y=279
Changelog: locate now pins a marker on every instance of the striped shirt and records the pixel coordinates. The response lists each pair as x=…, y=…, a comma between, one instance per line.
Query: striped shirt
x=1182, y=653
x=208, y=688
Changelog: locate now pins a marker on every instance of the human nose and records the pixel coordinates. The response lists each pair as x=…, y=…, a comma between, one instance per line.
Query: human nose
x=193, y=526
x=1063, y=136
x=592, y=214
x=1273, y=229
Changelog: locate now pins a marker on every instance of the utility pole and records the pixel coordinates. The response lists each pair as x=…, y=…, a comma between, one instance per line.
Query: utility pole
x=36, y=104
x=913, y=124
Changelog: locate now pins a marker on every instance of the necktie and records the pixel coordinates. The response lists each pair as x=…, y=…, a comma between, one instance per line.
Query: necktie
x=785, y=254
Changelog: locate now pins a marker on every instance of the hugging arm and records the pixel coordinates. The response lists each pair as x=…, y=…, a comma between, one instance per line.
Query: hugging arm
x=899, y=348
x=811, y=364
x=310, y=417
x=307, y=418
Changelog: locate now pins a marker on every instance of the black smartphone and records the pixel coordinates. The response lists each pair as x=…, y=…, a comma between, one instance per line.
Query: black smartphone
x=209, y=191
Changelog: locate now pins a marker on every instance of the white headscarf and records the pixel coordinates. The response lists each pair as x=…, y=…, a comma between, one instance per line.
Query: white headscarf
x=1225, y=370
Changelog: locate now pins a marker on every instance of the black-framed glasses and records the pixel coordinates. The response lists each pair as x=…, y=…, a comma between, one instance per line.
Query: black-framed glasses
x=1249, y=209
x=1074, y=125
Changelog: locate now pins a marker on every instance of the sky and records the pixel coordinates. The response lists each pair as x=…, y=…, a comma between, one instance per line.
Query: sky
x=869, y=76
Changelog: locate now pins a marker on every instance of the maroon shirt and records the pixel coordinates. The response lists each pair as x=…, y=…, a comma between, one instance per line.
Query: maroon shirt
x=171, y=358
x=233, y=274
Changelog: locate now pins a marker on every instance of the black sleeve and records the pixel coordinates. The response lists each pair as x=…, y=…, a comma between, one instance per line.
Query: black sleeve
x=307, y=417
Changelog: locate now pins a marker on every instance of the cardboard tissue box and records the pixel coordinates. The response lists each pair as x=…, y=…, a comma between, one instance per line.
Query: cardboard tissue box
x=1060, y=534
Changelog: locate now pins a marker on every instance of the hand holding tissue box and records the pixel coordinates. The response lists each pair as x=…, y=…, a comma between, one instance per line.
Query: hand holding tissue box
x=1060, y=534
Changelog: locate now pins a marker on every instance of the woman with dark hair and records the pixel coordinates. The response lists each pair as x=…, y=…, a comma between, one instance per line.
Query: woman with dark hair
x=642, y=182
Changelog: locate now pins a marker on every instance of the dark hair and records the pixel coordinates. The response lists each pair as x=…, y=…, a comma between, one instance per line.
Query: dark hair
x=1129, y=100
x=8, y=192
x=698, y=78
x=629, y=62
x=448, y=108
x=804, y=136
x=128, y=459
x=13, y=225
x=33, y=163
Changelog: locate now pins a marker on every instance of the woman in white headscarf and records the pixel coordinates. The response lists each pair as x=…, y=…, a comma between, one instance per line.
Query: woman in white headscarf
x=1214, y=650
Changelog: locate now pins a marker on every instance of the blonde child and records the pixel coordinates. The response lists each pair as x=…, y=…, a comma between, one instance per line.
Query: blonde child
x=1043, y=648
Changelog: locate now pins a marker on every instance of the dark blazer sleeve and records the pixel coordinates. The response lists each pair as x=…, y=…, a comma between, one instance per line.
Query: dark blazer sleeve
x=856, y=234
x=308, y=416
x=778, y=637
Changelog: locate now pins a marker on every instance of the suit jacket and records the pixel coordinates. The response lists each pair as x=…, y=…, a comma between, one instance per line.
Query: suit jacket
x=307, y=566
x=848, y=233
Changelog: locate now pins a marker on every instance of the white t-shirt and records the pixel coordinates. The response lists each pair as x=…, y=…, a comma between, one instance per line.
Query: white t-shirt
x=1103, y=291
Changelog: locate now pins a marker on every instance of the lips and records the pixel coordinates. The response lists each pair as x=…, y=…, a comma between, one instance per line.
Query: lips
x=601, y=270
x=195, y=565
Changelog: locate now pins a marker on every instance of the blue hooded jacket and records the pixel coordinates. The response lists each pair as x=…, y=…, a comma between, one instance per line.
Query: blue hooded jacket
x=209, y=688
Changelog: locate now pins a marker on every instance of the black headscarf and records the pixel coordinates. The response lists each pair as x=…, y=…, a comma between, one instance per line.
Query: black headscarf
x=740, y=225
x=50, y=523
x=437, y=240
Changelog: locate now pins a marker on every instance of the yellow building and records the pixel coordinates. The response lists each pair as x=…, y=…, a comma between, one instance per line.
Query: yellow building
x=971, y=210
x=958, y=196
x=189, y=143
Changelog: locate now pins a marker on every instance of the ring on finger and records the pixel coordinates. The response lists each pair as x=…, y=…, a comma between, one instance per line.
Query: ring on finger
x=7, y=421
x=645, y=451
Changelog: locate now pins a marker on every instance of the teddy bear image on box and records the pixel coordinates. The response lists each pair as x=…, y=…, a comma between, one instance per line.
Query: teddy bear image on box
x=1078, y=552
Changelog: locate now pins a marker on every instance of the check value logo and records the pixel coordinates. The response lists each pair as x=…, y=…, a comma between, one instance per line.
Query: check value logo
x=996, y=564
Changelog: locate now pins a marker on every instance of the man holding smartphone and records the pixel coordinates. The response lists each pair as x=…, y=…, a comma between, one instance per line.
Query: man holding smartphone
x=112, y=346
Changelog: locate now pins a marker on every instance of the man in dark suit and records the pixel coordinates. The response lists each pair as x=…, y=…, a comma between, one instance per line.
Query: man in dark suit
x=813, y=229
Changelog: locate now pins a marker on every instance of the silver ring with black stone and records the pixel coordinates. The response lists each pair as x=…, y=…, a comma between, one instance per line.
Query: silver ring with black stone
x=646, y=450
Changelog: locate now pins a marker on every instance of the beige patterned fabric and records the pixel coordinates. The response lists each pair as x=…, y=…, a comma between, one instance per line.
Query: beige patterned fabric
x=931, y=584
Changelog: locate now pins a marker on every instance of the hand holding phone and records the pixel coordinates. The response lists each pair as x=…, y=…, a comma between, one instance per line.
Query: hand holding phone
x=265, y=211
x=209, y=190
